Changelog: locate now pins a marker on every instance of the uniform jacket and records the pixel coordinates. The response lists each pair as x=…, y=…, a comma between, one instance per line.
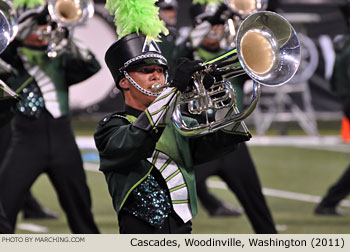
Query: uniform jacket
x=340, y=81
x=64, y=70
x=126, y=152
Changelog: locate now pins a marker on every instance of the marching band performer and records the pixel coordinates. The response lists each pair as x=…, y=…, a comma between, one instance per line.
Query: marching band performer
x=8, y=101
x=43, y=141
x=148, y=165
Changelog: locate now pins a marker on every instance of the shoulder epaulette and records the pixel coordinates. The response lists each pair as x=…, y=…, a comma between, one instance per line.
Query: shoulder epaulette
x=107, y=118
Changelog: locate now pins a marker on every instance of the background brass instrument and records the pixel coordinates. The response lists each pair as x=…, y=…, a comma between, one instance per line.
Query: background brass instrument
x=66, y=14
x=268, y=50
x=70, y=13
x=239, y=10
x=8, y=24
x=8, y=31
x=246, y=7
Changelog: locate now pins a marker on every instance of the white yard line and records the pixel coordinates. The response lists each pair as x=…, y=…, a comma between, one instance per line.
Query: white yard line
x=91, y=166
x=32, y=228
x=212, y=184
x=331, y=143
x=85, y=142
x=266, y=191
x=279, y=193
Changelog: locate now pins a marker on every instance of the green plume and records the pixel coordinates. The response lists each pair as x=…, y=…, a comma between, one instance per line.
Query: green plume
x=207, y=1
x=139, y=16
x=28, y=3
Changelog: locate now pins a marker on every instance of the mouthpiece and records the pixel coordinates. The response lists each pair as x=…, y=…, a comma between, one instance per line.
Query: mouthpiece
x=157, y=87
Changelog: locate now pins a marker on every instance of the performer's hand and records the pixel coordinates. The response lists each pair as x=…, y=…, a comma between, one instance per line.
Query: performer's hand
x=184, y=69
x=208, y=80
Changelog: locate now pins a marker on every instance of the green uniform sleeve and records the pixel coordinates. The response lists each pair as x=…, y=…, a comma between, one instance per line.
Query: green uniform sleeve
x=122, y=145
x=79, y=64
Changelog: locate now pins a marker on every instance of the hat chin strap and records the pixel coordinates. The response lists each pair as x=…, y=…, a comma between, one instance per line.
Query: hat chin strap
x=139, y=88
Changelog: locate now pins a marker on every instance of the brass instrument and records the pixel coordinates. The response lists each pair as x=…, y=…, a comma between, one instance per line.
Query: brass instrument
x=8, y=24
x=6, y=92
x=246, y=7
x=67, y=14
x=240, y=9
x=268, y=50
x=8, y=31
x=70, y=13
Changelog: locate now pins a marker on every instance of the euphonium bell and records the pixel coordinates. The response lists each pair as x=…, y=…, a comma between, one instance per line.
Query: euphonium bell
x=246, y=7
x=70, y=13
x=267, y=49
x=67, y=14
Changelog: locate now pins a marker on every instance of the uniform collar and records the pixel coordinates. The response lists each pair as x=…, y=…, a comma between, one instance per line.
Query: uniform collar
x=123, y=108
x=132, y=111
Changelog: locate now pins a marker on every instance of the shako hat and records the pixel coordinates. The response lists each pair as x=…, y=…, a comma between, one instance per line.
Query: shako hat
x=138, y=27
x=130, y=51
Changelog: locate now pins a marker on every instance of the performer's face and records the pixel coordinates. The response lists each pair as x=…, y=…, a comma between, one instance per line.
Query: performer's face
x=36, y=38
x=212, y=41
x=168, y=16
x=145, y=76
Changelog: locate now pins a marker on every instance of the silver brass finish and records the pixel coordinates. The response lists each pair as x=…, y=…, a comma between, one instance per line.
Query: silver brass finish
x=67, y=14
x=246, y=7
x=268, y=50
x=8, y=23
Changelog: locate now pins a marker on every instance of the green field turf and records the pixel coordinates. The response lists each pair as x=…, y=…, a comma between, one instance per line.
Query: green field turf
x=299, y=170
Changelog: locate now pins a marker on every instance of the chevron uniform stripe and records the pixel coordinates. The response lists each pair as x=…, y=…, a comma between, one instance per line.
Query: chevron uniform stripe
x=159, y=112
x=47, y=88
x=175, y=183
x=199, y=33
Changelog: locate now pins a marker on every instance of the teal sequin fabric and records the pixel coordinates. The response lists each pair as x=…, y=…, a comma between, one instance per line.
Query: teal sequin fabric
x=32, y=102
x=150, y=202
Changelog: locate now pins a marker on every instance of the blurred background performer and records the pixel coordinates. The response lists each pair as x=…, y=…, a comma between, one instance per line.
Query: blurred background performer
x=8, y=98
x=237, y=169
x=31, y=208
x=8, y=101
x=340, y=84
x=172, y=45
x=43, y=140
